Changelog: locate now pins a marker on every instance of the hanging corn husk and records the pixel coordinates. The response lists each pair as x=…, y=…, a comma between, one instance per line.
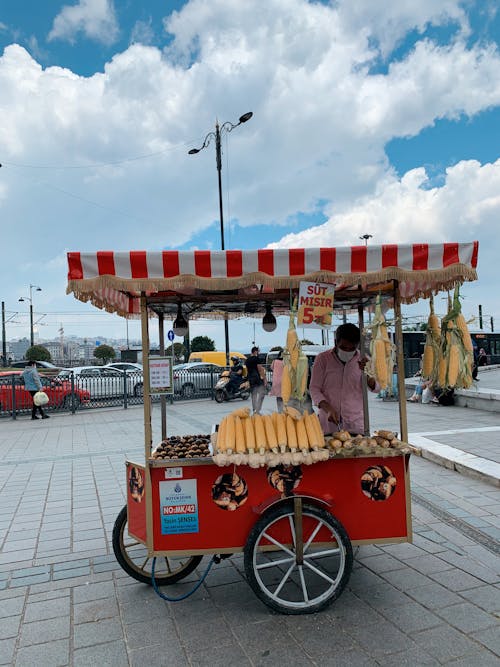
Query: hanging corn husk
x=430, y=362
x=295, y=364
x=454, y=370
x=382, y=351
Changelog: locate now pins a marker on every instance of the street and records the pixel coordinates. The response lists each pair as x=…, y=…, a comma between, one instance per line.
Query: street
x=65, y=600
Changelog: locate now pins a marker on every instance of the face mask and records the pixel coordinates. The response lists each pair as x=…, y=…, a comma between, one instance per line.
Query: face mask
x=345, y=356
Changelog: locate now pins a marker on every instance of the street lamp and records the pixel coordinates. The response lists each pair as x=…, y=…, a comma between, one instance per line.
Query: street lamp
x=30, y=299
x=216, y=136
x=365, y=237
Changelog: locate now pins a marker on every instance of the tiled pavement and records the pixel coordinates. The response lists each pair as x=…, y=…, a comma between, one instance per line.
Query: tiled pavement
x=65, y=601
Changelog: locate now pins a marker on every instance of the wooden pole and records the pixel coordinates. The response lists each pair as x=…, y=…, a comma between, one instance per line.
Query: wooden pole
x=398, y=327
x=163, y=398
x=148, y=434
x=364, y=383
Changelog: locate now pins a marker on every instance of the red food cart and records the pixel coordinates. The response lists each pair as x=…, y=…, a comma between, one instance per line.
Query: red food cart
x=295, y=524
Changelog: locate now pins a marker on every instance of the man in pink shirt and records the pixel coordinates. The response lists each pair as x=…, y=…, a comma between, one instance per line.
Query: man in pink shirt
x=336, y=386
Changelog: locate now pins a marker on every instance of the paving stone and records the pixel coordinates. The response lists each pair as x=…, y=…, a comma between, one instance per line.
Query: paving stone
x=49, y=595
x=155, y=631
x=281, y=654
x=406, y=579
x=381, y=563
x=384, y=595
x=486, y=597
x=412, y=656
x=12, y=606
x=113, y=654
x=94, y=591
x=53, y=654
x=39, y=611
x=445, y=643
x=434, y=596
x=480, y=658
x=428, y=563
x=72, y=573
x=100, y=632
x=411, y=617
x=29, y=581
x=171, y=655
x=7, y=647
x=489, y=638
x=470, y=565
x=219, y=656
x=40, y=632
x=456, y=580
x=95, y=610
x=387, y=639
x=467, y=617
x=144, y=610
x=9, y=627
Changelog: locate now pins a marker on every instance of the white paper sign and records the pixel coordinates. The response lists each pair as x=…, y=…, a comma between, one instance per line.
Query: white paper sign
x=160, y=375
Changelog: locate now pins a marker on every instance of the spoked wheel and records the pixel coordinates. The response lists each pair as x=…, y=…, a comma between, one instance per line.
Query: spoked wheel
x=133, y=558
x=280, y=577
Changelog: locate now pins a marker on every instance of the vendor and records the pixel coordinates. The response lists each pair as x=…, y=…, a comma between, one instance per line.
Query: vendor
x=336, y=383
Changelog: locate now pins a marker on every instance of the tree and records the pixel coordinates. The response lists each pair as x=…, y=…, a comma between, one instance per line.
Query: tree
x=104, y=352
x=37, y=353
x=202, y=344
x=178, y=353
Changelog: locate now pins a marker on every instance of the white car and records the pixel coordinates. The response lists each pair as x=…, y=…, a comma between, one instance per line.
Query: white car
x=103, y=382
x=128, y=366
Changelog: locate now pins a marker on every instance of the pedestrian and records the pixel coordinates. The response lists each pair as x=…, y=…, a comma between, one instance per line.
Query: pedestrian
x=277, y=369
x=257, y=380
x=32, y=383
x=482, y=357
x=336, y=383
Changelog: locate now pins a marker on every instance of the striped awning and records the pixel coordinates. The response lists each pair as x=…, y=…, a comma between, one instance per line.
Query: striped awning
x=114, y=280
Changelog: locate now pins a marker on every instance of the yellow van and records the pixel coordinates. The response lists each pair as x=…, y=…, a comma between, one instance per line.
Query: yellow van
x=218, y=358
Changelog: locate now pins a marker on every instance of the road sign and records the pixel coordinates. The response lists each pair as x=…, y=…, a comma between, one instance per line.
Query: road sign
x=171, y=335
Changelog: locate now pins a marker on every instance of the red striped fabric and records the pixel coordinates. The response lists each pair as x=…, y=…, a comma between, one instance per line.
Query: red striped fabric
x=106, y=263
x=450, y=254
x=202, y=263
x=358, y=259
x=234, y=263
x=75, y=270
x=389, y=255
x=474, y=254
x=420, y=256
x=266, y=261
x=297, y=262
x=138, y=264
x=327, y=259
x=170, y=263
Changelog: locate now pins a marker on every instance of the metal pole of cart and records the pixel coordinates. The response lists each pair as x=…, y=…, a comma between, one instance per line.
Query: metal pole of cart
x=398, y=328
x=364, y=383
x=163, y=398
x=148, y=434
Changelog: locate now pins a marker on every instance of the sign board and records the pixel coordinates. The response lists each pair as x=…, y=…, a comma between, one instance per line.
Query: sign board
x=171, y=335
x=161, y=375
x=179, y=507
x=315, y=307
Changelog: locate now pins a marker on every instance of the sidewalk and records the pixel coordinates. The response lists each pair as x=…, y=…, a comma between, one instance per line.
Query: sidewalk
x=65, y=600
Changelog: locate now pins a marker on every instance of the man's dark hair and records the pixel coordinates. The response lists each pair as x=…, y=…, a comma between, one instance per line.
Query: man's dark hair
x=254, y=349
x=349, y=332
x=31, y=362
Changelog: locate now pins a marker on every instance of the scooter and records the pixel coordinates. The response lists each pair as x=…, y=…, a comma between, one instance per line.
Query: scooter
x=221, y=393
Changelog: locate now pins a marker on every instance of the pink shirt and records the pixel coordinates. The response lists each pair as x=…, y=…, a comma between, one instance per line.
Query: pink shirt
x=340, y=385
x=277, y=368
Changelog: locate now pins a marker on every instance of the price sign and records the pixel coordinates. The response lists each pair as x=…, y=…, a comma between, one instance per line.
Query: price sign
x=160, y=375
x=315, y=305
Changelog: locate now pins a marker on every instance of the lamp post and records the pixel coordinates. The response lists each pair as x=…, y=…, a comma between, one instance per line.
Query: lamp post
x=30, y=298
x=365, y=237
x=216, y=136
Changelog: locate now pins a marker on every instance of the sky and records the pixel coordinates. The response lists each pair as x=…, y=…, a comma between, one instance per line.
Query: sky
x=368, y=118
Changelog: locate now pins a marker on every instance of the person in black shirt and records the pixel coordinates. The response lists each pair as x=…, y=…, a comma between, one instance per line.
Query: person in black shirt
x=257, y=380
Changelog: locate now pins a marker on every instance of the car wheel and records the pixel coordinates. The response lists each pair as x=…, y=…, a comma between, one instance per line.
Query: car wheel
x=187, y=390
x=139, y=389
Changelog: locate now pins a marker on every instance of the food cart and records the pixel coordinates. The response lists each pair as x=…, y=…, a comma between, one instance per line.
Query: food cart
x=296, y=525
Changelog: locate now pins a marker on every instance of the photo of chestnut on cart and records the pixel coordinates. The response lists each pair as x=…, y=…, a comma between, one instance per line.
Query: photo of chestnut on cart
x=277, y=489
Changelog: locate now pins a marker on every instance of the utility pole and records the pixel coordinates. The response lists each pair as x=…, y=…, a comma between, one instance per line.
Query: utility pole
x=491, y=323
x=480, y=317
x=4, y=342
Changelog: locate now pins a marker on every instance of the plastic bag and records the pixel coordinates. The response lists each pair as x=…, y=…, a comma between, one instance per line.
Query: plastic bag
x=40, y=399
x=427, y=395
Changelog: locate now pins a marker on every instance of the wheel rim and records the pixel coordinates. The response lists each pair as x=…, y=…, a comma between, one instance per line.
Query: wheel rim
x=136, y=556
x=293, y=585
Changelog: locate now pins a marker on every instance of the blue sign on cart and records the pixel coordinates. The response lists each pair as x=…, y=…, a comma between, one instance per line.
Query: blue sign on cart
x=171, y=335
x=179, y=507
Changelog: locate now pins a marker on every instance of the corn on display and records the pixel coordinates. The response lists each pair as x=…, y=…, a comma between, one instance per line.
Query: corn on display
x=269, y=440
x=380, y=366
x=430, y=362
x=295, y=364
x=454, y=367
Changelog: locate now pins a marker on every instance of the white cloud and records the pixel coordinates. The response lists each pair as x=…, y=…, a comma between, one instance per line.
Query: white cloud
x=96, y=19
x=318, y=134
x=142, y=32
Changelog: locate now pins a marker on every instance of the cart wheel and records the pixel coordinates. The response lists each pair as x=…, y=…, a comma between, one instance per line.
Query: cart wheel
x=133, y=558
x=271, y=565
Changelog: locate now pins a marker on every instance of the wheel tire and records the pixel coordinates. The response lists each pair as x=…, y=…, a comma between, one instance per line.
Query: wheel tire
x=139, y=573
x=188, y=390
x=139, y=390
x=71, y=400
x=260, y=589
x=244, y=395
x=220, y=395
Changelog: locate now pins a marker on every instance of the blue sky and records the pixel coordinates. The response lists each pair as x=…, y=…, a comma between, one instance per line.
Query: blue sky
x=368, y=118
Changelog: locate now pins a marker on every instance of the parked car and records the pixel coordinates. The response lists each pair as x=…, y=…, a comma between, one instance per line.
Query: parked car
x=59, y=392
x=44, y=366
x=128, y=366
x=103, y=382
x=195, y=377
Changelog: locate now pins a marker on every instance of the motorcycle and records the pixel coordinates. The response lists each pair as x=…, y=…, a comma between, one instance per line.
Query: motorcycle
x=221, y=393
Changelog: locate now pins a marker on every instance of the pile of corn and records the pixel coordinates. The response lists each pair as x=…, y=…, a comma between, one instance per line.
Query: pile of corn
x=456, y=357
x=295, y=364
x=430, y=362
x=288, y=438
x=382, y=443
x=380, y=366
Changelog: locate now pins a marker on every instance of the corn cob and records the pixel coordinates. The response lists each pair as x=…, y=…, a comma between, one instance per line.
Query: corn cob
x=260, y=434
x=221, y=436
x=272, y=441
x=462, y=327
x=243, y=413
x=241, y=447
x=292, y=341
x=281, y=432
x=286, y=384
x=249, y=436
x=380, y=363
x=301, y=376
x=291, y=433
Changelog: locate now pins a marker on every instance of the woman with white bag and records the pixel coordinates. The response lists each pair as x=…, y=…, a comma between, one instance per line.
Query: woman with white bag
x=33, y=384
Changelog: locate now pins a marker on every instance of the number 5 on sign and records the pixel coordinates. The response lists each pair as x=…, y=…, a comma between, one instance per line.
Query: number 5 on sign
x=315, y=305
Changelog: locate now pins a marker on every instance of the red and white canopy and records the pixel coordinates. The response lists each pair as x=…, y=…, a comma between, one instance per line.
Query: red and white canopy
x=115, y=280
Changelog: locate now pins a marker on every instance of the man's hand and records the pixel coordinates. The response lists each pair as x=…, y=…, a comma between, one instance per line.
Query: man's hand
x=331, y=413
x=362, y=362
